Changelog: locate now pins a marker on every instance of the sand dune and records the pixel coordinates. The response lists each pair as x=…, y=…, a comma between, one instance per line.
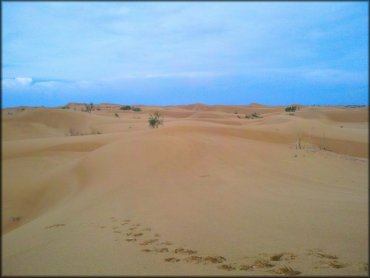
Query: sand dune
x=208, y=193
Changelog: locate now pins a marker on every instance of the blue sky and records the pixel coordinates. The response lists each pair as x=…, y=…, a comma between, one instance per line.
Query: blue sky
x=166, y=53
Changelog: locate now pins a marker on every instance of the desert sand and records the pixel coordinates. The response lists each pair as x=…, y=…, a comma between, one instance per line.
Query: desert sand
x=209, y=192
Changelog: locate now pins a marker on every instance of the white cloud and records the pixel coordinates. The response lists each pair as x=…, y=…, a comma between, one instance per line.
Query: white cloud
x=17, y=82
x=47, y=84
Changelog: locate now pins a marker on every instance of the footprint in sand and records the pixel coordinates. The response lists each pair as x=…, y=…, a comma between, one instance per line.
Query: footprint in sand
x=172, y=260
x=194, y=259
x=320, y=253
x=261, y=263
x=157, y=235
x=286, y=270
x=325, y=256
x=158, y=250
x=166, y=243
x=130, y=239
x=161, y=250
x=214, y=259
x=149, y=241
x=227, y=267
x=283, y=256
x=330, y=264
x=138, y=234
x=185, y=251
x=55, y=226
x=245, y=267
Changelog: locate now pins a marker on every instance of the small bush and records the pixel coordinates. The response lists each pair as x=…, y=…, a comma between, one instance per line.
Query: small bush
x=155, y=120
x=126, y=107
x=136, y=109
x=291, y=108
x=65, y=107
x=115, y=114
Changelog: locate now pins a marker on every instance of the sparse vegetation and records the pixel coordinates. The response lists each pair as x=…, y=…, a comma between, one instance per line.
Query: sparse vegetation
x=125, y=107
x=253, y=116
x=65, y=107
x=115, y=114
x=74, y=132
x=155, y=120
x=136, y=109
x=291, y=108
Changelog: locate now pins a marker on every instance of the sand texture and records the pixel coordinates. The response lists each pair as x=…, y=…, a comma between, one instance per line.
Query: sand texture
x=209, y=192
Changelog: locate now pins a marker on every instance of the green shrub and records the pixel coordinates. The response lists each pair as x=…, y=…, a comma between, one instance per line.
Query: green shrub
x=136, y=109
x=115, y=114
x=126, y=107
x=155, y=120
x=291, y=108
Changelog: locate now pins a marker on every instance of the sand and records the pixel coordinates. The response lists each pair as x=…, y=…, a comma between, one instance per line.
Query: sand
x=210, y=192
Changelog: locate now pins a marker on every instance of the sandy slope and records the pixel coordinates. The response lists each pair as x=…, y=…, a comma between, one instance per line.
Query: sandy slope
x=206, y=193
